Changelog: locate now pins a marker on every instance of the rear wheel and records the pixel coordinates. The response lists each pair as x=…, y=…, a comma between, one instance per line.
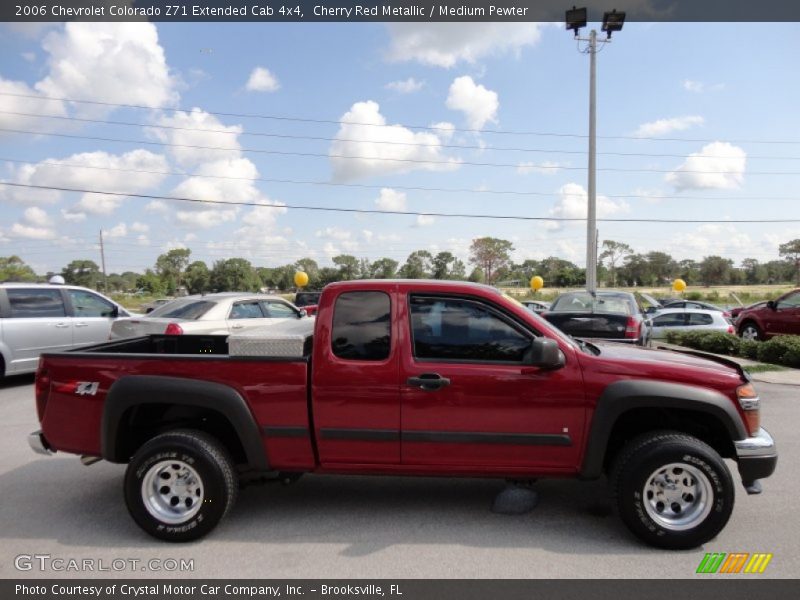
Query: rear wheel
x=673, y=490
x=179, y=485
x=751, y=331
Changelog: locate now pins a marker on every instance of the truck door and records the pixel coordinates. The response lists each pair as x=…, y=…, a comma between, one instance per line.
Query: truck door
x=468, y=400
x=785, y=319
x=355, y=388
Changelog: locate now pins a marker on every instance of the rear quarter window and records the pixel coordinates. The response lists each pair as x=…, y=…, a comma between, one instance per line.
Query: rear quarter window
x=189, y=311
x=362, y=326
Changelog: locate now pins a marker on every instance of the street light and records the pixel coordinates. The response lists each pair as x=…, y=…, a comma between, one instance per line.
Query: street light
x=576, y=19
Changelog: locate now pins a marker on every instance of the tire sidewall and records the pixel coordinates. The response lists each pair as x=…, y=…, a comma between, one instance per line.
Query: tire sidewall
x=214, y=491
x=632, y=499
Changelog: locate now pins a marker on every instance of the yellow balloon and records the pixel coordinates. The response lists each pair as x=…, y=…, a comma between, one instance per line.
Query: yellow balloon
x=537, y=283
x=678, y=285
x=300, y=279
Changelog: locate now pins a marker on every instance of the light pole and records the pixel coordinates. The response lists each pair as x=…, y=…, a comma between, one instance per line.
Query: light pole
x=612, y=21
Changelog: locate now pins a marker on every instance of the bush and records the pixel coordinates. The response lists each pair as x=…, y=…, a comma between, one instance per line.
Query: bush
x=749, y=349
x=782, y=350
x=694, y=296
x=719, y=343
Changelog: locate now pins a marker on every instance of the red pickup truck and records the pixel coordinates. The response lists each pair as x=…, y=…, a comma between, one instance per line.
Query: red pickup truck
x=414, y=378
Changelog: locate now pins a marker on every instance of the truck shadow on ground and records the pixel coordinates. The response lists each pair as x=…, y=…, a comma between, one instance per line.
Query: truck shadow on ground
x=12, y=381
x=58, y=499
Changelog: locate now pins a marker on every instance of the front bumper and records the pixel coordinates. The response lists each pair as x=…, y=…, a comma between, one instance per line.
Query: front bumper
x=39, y=445
x=757, y=456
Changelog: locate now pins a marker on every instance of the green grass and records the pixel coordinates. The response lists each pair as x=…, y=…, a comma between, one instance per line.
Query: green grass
x=763, y=367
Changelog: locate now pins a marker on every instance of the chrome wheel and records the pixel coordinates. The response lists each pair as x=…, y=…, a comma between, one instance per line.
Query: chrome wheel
x=678, y=496
x=172, y=491
x=750, y=332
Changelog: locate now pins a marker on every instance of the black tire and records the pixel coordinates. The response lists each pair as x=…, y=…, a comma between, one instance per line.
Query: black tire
x=751, y=331
x=656, y=473
x=205, y=485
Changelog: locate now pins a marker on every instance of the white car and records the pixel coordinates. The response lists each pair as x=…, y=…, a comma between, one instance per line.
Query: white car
x=210, y=314
x=687, y=319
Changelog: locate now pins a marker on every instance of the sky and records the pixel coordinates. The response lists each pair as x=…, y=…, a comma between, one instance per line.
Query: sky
x=696, y=121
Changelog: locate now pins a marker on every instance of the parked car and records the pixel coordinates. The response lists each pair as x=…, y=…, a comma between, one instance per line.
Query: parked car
x=736, y=311
x=686, y=319
x=408, y=377
x=307, y=301
x=39, y=317
x=696, y=305
x=776, y=317
x=536, y=306
x=151, y=306
x=220, y=313
x=604, y=315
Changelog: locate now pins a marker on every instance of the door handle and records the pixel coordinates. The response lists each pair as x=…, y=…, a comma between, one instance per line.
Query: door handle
x=62, y=325
x=81, y=324
x=237, y=326
x=428, y=382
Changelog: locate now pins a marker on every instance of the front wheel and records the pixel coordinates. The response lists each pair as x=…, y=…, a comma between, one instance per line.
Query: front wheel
x=673, y=490
x=751, y=331
x=179, y=485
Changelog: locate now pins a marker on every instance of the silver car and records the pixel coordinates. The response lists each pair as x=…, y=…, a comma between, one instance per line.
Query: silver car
x=687, y=319
x=210, y=314
x=39, y=317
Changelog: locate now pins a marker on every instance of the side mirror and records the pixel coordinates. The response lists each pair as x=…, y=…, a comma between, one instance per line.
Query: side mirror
x=545, y=354
x=771, y=305
x=114, y=313
x=303, y=313
x=149, y=310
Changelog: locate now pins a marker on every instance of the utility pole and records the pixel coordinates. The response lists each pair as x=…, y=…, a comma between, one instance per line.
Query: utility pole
x=103, y=262
x=612, y=21
x=591, y=213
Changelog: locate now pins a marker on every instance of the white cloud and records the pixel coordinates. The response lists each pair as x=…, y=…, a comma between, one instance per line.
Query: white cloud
x=425, y=220
x=338, y=240
x=547, y=167
x=24, y=100
x=143, y=240
x=718, y=165
x=444, y=130
x=118, y=231
x=32, y=233
x=573, y=203
x=711, y=238
x=37, y=217
x=391, y=200
x=665, y=126
x=110, y=62
x=198, y=128
x=156, y=207
x=405, y=86
x=259, y=230
x=138, y=227
x=699, y=87
x=382, y=149
x=262, y=80
x=88, y=170
x=446, y=44
x=73, y=216
x=478, y=103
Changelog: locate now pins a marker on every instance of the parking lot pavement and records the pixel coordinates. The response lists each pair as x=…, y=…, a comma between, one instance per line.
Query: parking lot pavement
x=359, y=527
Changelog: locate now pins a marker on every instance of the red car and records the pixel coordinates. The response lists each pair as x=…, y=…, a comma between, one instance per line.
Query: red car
x=408, y=377
x=776, y=317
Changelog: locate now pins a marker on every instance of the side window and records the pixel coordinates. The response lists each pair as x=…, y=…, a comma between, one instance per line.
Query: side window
x=246, y=310
x=278, y=310
x=671, y=320
x=32, y=303
x=792, y=301
x=700, y=319
x=455, y=329
x=362, y=326
x=87, y=304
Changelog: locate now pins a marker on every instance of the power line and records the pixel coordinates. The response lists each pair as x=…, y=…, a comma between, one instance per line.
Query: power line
x=387, y=142
x=446, y=163
x=386, y=185
x=422, y=127
x=382, y=212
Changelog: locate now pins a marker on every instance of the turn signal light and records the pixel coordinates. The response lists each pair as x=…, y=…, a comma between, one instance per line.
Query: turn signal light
x=751, y=404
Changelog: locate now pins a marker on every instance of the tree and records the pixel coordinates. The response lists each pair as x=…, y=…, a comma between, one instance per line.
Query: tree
x=662, y=266
x=170, y=267
x=490, y=254
x=197, y=277
x=418, y=265
x=440, y=265
x=614, y=252
x=150, y=283
x=458, y=271
x=791, y=252
x=13, y=268
x=82, y=272
x=476, y=276
x=384, y=268
x=310, y=267
x=753, y=271
x=348, y=267
x=234, y=275
x=714, y=270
